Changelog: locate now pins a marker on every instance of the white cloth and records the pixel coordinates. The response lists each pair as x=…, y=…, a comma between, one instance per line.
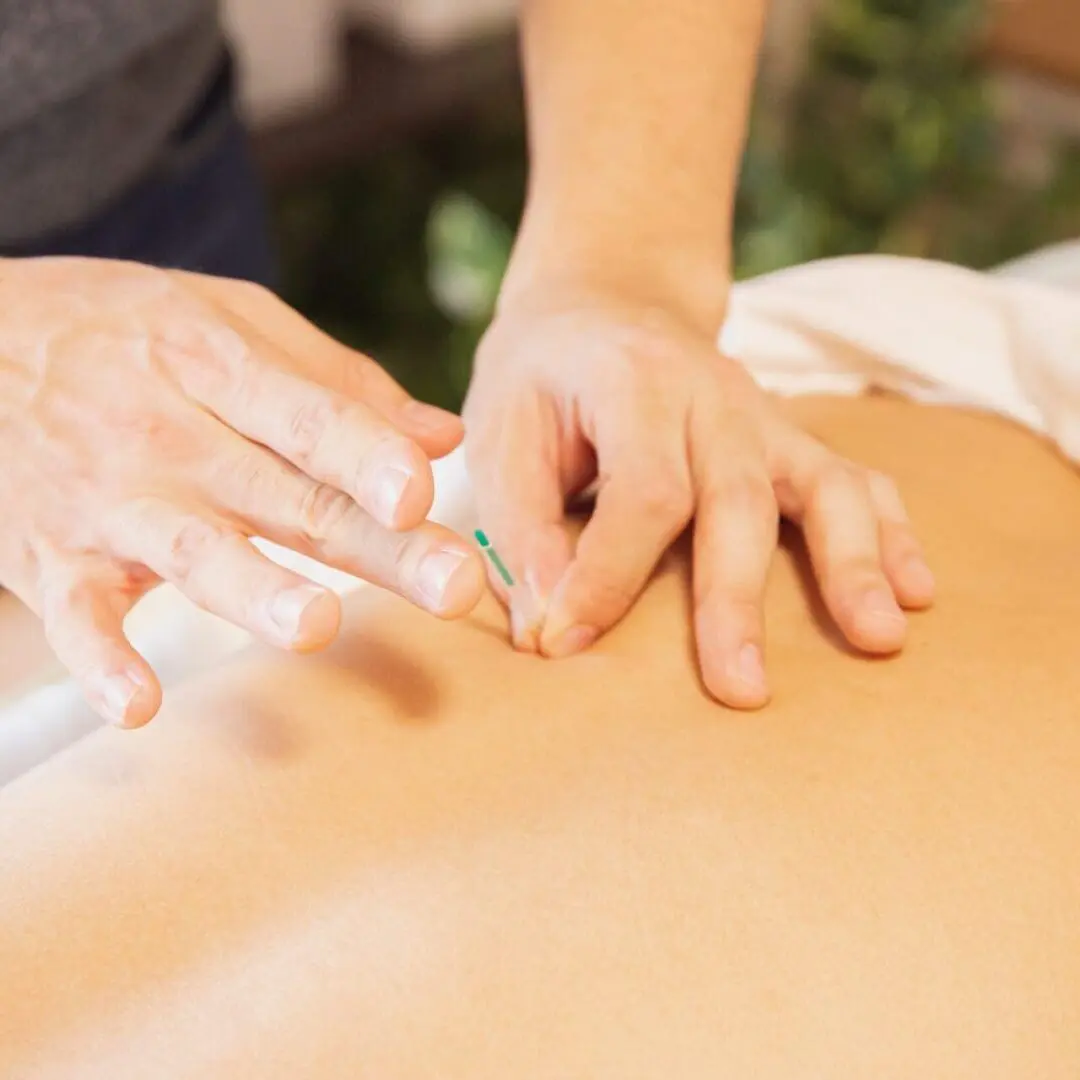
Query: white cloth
x=934, y=332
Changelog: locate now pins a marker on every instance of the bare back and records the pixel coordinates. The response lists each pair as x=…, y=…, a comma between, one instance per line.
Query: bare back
x=422, y=854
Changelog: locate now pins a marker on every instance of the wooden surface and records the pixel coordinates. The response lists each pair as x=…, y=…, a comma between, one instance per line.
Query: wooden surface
x=1041, y=36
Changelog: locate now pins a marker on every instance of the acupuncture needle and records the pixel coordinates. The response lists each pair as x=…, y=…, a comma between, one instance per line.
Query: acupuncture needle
x=493, y=556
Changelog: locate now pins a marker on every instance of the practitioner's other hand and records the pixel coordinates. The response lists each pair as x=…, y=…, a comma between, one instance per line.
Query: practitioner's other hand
x=597, y=388
x=152, y=422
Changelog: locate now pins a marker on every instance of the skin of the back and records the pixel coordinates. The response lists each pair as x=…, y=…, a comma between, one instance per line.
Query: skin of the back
x=422, y=854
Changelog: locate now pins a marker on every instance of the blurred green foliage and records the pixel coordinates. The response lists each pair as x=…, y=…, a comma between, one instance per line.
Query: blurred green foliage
x=892, y=145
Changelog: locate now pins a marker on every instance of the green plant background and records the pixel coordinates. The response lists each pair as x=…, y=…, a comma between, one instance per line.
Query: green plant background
x=893, y=145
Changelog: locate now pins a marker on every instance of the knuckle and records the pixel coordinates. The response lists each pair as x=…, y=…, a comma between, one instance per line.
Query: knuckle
x=61, y=595
x=886, y=493
x=150, y=437
x=250, y=470
x=357, y=374
x=209, y=354
x=308, y=425
x=834, y=475
x=252, y=291
x=664, y=495
x=749, y=494
x=836, y=471
x=323, y=511
x=192, y=542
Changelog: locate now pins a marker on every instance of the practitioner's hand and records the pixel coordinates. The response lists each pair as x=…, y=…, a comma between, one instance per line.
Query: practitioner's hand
x=151, y=422
x=601, y=389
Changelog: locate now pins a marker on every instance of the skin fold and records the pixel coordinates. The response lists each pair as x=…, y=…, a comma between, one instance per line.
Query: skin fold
x=421, y=853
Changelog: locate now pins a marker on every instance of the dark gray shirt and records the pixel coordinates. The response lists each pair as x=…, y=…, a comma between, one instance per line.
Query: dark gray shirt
x=90, y=91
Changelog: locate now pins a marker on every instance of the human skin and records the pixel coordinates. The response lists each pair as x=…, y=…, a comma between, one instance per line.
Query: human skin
x=601, y=364
x=421, y=853
x=151, y=422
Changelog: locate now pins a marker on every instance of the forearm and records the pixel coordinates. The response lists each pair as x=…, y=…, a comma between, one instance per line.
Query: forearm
x=637, y=118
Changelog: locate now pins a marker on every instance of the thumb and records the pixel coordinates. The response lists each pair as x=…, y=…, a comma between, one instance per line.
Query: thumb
x=519, y=499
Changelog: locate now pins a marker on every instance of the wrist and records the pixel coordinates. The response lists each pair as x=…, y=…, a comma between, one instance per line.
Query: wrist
x=552, y=268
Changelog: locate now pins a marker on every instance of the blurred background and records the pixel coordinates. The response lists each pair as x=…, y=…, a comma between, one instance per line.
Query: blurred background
x=391, y=135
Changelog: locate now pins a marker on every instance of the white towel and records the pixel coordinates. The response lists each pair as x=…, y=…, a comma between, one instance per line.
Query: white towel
x=933, y=332
x=936, y=333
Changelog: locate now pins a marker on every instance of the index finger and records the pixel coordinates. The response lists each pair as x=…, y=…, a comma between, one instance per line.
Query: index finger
x=330, y=437
x=640, y=512
x=735, y=535
x=519, y=499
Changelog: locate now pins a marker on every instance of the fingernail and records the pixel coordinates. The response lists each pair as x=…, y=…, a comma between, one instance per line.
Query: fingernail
x=572, y=641
x=288, y=608
x=116, y=693
x=527, y=611
x=882, y=604
x=525, y=629
x=434, y=574
x=386, y=488
x=429, y=417
x=534, y=595
x=750, y=667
